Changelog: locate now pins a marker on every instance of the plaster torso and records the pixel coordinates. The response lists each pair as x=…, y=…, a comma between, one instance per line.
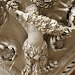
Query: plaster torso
x=35, y=37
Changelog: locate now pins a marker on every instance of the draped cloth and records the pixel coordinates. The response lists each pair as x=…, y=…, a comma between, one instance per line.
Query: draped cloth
x=35, y=58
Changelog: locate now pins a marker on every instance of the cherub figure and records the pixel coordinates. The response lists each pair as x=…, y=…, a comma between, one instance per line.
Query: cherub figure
x=35, y=47
x=35, y=51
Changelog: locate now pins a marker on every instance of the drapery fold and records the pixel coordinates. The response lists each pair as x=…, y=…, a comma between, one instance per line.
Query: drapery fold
x=12, y=37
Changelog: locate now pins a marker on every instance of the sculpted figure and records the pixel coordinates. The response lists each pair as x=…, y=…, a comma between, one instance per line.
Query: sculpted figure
x=35, y=47
x=35, y=51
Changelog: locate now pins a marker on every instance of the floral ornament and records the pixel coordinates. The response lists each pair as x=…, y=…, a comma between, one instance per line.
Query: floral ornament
x=8, y=54
x=8, y=51
x=13, y=5
x=43, y=3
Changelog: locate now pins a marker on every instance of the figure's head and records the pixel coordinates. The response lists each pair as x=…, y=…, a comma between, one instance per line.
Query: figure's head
x=32, y=9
